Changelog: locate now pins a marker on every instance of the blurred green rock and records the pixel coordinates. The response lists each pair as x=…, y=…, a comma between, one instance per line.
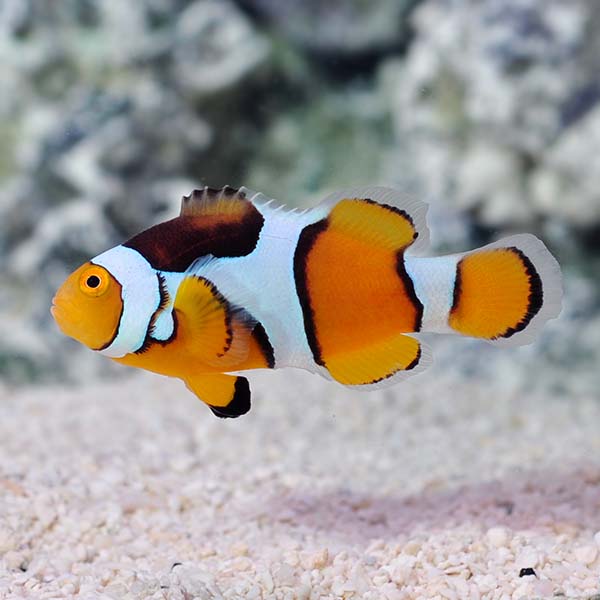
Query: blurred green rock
x=338, y=27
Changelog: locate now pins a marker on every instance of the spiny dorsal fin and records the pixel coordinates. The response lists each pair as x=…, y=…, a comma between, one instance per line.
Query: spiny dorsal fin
x=375, y=217
x=217, y=222
x=211, y=201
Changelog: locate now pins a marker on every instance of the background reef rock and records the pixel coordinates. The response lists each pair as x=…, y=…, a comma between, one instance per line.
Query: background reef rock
x=115, y=110
x=489, y=110
x=497, y=105
x=339, y=27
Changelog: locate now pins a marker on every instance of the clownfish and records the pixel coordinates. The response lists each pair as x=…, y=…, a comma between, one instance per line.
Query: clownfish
x=236, y=283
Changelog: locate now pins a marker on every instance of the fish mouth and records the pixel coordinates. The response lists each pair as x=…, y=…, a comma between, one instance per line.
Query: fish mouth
x=55, y=309
x=60, y=317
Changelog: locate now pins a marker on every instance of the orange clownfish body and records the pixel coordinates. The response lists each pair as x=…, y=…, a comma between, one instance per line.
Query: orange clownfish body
x=235, y=283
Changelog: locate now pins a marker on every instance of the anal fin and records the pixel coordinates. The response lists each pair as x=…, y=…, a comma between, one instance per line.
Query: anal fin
x=228, y=396
x=380, y=364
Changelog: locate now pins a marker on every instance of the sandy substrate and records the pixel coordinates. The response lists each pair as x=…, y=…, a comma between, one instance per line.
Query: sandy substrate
x=433, y=489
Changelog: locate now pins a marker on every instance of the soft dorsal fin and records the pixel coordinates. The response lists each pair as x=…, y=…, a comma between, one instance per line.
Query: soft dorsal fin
x=227, y=201
x=384, y=216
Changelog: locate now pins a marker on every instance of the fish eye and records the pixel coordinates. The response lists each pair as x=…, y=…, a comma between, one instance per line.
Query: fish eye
x=94, y=281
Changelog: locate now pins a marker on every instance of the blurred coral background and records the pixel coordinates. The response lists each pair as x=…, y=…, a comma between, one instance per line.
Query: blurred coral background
x=478, y=479
x=111, y=111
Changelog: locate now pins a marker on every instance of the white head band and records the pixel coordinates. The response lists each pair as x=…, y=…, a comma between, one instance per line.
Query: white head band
x=140, y=295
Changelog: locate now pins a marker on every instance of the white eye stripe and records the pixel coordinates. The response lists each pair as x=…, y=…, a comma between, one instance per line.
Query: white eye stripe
x=140, y=295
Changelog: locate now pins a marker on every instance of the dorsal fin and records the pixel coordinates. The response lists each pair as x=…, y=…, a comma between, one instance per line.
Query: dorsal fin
x=211, y=201
x=370, y=220
x=217, y=222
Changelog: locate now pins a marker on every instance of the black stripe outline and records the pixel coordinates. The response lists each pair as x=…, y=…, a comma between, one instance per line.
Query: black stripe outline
x=306, y=241
x=409, y=286
x=163, y=302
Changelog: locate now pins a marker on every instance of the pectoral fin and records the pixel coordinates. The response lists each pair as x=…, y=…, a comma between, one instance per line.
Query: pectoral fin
x=211, y=325
x=228, y=396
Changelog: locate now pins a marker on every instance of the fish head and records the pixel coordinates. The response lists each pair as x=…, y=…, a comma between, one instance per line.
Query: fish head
x=88, y=306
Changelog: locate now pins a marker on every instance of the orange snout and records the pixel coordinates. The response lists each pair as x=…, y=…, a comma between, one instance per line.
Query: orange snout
x=88, y=306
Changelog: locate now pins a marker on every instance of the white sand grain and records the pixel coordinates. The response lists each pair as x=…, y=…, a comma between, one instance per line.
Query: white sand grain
x=433, y=489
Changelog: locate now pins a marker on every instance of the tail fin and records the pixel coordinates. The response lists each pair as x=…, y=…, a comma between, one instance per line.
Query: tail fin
x=506, y=291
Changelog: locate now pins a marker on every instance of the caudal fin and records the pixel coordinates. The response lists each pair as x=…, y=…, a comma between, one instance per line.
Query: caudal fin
x=506, y=291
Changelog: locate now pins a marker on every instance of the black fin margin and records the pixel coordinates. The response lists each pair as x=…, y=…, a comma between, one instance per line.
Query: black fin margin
x=261, y=337
x=240, y=403
x=409, y=286
x=536, y=294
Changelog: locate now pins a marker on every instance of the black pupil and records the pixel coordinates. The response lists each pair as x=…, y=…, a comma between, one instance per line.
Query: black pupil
x=93, y=281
